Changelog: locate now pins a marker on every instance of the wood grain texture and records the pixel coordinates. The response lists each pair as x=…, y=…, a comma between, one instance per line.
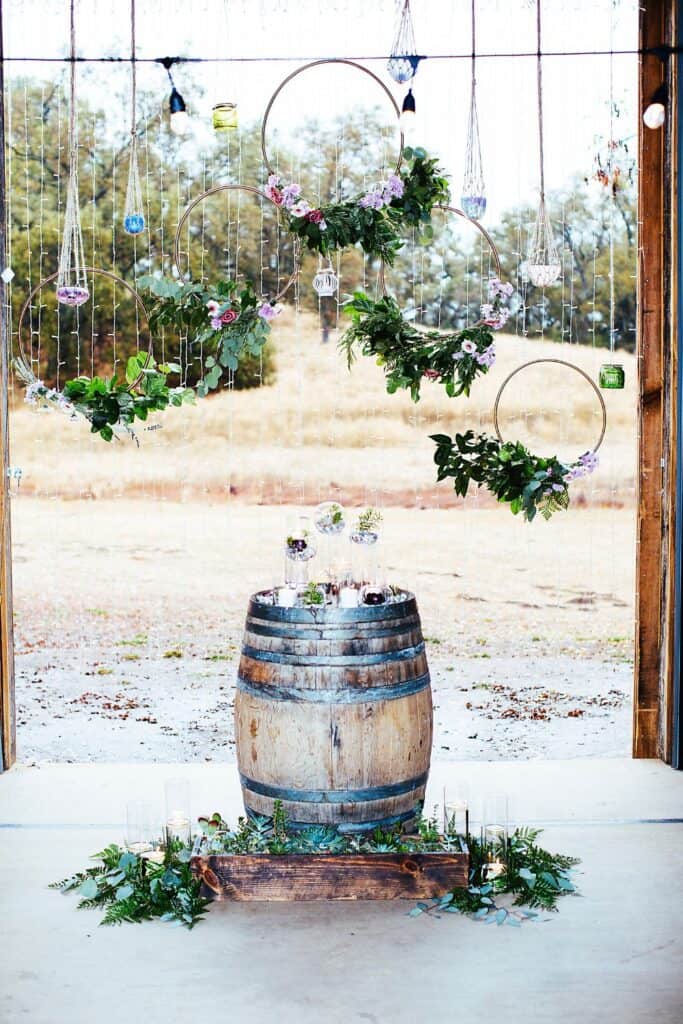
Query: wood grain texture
x=654, y=264
x=372, y=876
x=7, y=705
x=333, y=714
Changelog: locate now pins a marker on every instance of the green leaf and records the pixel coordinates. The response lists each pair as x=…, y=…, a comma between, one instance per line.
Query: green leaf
x=89, y=889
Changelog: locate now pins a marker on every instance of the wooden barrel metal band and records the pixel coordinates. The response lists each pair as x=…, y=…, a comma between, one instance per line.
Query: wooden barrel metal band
x=229, y=188
x=89, y=270
x=348, y=827
x=559, y=362
x=332, y=659
x=334, y=796
x=309, y=616
x=314, y=64
x=348, y=695
x=259, y=628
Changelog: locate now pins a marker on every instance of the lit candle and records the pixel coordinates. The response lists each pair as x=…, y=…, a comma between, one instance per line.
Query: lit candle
x=178, y=826
x=286, y=597
x=348, y=597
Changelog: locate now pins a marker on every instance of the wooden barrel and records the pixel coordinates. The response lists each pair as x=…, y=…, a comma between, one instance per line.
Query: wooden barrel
x=333, y=713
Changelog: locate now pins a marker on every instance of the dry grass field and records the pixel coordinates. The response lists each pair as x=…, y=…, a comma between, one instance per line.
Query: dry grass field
x=133, y=564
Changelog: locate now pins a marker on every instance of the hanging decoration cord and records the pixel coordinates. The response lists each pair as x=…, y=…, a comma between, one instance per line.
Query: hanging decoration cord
x=539, y=84
x=133, y=71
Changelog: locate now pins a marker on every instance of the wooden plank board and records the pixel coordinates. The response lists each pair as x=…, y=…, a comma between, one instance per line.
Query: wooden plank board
x=653, y=261
x=369, y=876
x=7, y=706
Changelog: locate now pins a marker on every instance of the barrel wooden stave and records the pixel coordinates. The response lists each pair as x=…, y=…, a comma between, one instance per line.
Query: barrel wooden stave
x=331, y=716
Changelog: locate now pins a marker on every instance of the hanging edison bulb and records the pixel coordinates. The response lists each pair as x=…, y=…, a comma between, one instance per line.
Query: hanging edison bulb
x=133, y=217
x=402, y=63
x=72, y=283
x=225, y=117
x=326, y=282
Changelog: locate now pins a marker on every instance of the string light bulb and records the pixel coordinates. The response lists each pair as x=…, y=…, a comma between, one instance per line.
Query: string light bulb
x=180, y=120
x=408, y=113
x=654, y=114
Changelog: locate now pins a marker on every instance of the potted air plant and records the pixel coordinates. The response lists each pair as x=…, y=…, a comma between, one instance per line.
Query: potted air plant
x=366, y=530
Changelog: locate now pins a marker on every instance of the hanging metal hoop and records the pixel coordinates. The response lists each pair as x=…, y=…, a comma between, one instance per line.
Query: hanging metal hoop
x=231, y=188
x=315, y=64
x=88, y=270
x=559, y=362
x=381, y=275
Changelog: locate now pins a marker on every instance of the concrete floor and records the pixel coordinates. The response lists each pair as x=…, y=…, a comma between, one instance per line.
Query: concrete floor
x=613, y=956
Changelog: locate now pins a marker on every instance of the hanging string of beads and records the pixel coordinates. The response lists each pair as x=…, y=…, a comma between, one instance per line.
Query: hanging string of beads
x=402, y=63
x=473, y=199
x=72, y=282
x=133, y=216
x=543, y=265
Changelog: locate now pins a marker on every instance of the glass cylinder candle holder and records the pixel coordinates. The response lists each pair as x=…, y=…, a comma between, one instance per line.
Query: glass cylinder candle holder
x=495, y=834
x=141, y=827
x=178, y=820
x=612, y=376
x=456, y=812
x=225, y=117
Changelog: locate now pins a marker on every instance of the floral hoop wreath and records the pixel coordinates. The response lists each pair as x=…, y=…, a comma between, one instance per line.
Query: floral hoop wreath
x=495, y=255
x=230, y=188
x=318, y=63
x=410, y=354
x=23, y=363
x=106, y=404
x=571, y=366
x=528, y=483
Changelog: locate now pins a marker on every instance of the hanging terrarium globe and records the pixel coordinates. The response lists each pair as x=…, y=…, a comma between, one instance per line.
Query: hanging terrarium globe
x=72, y=284
x=402, y=63
x=300, y=543
x=543, y=262
x=329, y=518
x=326, y=282
x=473, y=199
x=133, y=217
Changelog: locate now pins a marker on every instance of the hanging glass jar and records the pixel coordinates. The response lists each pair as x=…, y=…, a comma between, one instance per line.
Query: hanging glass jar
x=133, y=217
x=326, y=282
x=402, y=63
x=72, y=284
x=612, y=376
x=225, y=117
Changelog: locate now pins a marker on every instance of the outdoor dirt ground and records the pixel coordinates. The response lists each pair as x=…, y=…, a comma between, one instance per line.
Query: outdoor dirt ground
x=133, y=566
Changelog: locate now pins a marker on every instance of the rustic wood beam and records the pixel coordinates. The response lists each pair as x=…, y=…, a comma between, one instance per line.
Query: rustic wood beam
x=655, y=405
x=7, y=708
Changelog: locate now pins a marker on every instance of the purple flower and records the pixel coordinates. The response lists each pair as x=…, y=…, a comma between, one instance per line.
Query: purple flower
x=499, y=290
x=273, y=180
x=322, y=224
x=458, y=356
x=300, y=209
x=373, y=200
x=486, y=358
x=290, y=194
x=393, y=188
x=216, y=322
x=558, y=487
x=267, y=311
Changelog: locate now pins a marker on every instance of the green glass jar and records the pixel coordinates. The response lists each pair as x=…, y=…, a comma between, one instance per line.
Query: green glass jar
x=225, y=117
x=612, y=376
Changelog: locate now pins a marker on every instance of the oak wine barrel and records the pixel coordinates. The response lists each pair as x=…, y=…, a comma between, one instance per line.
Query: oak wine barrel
x=333, y=713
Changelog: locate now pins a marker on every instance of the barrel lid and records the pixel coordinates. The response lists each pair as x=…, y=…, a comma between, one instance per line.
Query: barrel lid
x=260, y=607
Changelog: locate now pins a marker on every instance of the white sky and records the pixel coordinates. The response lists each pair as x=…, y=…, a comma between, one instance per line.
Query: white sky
x=576, y=89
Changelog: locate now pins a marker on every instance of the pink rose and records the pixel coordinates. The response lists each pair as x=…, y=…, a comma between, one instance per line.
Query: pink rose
x=229, y=316
x=275, y=194
x=315, y=216
x=431, y=374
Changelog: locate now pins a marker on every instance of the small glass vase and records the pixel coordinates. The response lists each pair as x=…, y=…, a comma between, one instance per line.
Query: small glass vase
x=225, y=117
x=178, y=818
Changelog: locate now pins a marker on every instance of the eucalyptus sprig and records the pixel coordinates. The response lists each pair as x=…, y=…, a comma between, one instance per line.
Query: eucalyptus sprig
x=378, y=229
x=532, y=879
x=528, y=483
x=132, y=888
x=225, y=321
x=408, y=355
